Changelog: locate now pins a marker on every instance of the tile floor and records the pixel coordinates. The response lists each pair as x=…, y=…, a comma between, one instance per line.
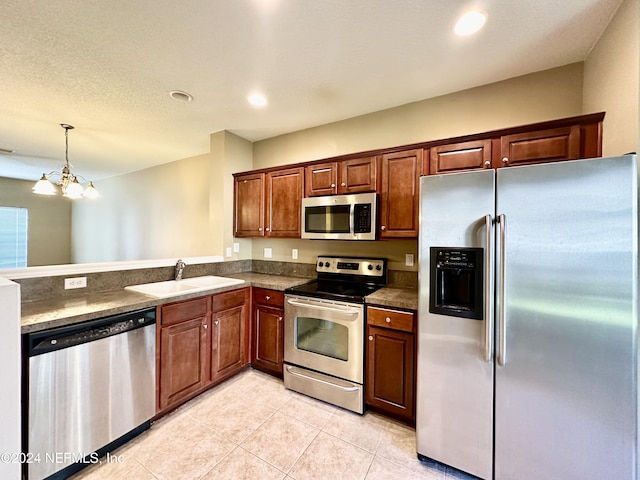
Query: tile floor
x=251, y=427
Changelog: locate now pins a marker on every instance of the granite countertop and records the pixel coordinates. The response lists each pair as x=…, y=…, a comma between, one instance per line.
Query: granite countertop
x=44, y=314
x=406, y=298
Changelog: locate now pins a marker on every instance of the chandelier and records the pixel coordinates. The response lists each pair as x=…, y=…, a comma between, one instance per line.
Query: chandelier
x=68, y=182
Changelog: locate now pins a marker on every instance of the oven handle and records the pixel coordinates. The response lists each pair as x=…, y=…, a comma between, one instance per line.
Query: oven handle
x=292, y=371
x=350, y=311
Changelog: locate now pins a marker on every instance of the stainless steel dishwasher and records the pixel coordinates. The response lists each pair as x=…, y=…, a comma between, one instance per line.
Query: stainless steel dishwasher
x=91, y=387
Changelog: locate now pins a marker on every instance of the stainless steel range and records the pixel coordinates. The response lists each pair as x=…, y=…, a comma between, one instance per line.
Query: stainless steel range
x=324, y=330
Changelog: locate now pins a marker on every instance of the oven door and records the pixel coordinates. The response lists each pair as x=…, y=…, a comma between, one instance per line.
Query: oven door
x=325, y=336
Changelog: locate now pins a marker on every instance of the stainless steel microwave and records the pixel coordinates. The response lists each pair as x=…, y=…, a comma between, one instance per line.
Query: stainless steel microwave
x=340, y=217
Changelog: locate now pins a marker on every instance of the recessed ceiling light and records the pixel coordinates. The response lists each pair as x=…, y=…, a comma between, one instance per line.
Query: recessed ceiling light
x=257, y=100
x=470, y=23
x=181, y=96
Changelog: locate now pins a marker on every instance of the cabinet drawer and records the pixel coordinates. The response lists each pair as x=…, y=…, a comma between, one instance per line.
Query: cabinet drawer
x=272, y=298
x=223, y=301
x=186, y=310
x=390, y=319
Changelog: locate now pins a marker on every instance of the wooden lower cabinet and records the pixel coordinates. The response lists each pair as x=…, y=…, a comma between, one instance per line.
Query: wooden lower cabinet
x=267, y=345
x=390, y=363
x=201, y=342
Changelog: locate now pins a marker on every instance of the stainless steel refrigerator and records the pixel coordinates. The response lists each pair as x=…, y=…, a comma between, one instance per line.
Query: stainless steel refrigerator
x=528, y=321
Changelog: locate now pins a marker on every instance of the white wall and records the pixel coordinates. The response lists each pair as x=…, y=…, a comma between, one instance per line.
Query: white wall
x=10, y=372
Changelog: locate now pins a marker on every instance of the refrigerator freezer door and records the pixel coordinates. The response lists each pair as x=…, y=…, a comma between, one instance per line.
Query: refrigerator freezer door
x=454, y=423
x=566, y=395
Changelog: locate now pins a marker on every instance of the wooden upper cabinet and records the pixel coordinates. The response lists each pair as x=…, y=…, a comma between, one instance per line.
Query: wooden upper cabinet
x=284, y=203
x=400, y=176
x=455, y=157
x=358, y=175
x=321, y=179
x=540, y=146
x=249, y=196
x=347, y=176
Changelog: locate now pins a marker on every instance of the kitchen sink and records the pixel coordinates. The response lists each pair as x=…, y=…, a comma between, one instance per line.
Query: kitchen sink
x=172, y=288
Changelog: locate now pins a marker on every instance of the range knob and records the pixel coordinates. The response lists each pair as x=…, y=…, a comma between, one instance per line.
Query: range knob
x=326, y=264
x=320, y=264
x=370, y=267
x=378, y=267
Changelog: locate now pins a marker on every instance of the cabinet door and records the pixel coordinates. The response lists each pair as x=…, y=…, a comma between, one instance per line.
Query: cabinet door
x=284, y=192
x=268, y=339
x=399, y=194
x=249, y=196
x=358, y=175
x=183, y=360
x=540, y=146
x=227, y=342
x=390, y=372
x=321, y=179
x=457, y=157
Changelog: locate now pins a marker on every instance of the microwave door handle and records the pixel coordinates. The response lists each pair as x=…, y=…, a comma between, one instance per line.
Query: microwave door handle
x=348, y=311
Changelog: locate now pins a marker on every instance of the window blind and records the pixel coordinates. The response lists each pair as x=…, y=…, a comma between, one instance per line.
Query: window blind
x=13, y=237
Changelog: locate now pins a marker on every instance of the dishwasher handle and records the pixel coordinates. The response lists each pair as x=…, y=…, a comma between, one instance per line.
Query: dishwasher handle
x=77, y=334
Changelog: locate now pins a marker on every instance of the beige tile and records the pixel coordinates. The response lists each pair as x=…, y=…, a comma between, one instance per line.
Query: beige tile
x=187, y=456
x=398, y=445
x=382, y=469
x=271, y=391
x=236, y=420
x=280, y=440
x=329, y=457
x=242, y=465
x=363, y=431
x=308, y=410
x=110, y=470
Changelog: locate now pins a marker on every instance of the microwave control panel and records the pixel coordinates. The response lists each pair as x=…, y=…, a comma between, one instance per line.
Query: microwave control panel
x=362, y=218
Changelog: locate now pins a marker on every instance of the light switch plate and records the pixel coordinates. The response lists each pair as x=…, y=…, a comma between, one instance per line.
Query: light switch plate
x=294, y=253
x=268, y=253
x=236, y=247
x=228, y=251
x=408, y=259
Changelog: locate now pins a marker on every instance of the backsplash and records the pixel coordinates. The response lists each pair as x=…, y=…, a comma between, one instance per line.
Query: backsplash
x=44, y=288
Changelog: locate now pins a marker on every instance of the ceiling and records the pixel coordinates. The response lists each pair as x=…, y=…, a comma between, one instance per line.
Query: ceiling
x=108, y=67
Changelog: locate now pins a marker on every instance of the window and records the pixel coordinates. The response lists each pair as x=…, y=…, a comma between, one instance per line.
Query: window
x=13, y=237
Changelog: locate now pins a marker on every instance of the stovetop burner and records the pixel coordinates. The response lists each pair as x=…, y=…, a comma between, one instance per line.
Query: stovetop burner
x=346, y=279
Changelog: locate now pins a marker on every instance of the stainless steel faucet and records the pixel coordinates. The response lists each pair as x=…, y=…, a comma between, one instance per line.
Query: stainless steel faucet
x=179, y=268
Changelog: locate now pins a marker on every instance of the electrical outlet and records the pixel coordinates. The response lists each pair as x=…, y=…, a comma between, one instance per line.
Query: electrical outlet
x=294, y=253
x=236, y=247
x=268, y=253
x=408, y=259
x=76, y=282
x=228, y=251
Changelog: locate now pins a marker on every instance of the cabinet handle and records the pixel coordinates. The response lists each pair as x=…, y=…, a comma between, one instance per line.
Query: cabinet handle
x=370, y=337
x=268, y=229
x=216, y=322
x=383, y=228
x=279, y=319
x=505, y=160
x=260, y=229
x=343, y=184
x=333, y=185
x=388, y=320
x=205, y=326
x=487, y=164
x=267, y=297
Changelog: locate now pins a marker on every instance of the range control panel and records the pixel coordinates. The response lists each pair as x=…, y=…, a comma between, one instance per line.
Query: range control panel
x=353, y=266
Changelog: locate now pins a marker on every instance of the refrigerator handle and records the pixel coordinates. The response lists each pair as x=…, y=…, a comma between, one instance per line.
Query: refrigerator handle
x=488, y=318
x=502, y=324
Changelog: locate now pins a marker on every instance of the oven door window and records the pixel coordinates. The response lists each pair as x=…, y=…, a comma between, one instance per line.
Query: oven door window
x=327, y=219
x=322, y=337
